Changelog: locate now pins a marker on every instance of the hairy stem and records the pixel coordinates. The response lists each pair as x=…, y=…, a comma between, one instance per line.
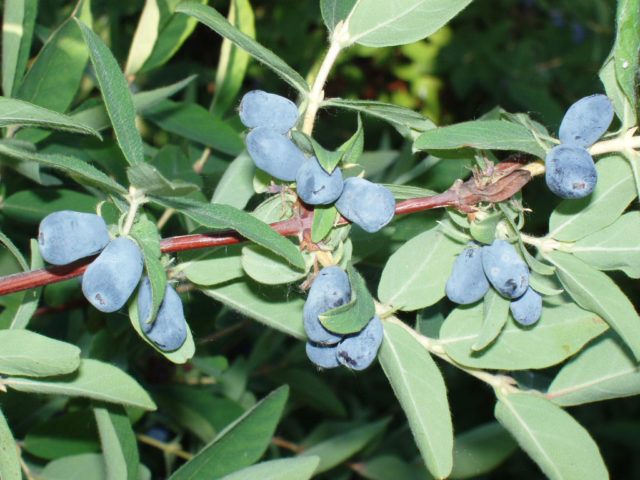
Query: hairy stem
x=316, y=95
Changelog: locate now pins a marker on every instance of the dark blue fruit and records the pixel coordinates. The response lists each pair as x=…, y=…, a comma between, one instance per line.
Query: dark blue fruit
x=586, y=121
x=275, y=153
x=570, y=172
x=504, y=268
x=169, y=329
x=527, y=309
x=67, y=236
x=329, y=290
x=315, y=186
x=358, y=351
x=323, y=356
x=112, y=277
x=262, y=109
x=467, y=282
x=367, y=204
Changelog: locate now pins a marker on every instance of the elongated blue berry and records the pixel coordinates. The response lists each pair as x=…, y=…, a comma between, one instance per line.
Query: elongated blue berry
x=586, y=121
x=467, y=282
x=358, y=351
x=262, y=109
x=329, y=290
x=169, y=329
x=367, y=204
x=504, y=268
x=112, y=277
x=275, y=153
x=67, y=236
x=570, y=171
x=527, y=309
x=322, y=355
x=315, y=186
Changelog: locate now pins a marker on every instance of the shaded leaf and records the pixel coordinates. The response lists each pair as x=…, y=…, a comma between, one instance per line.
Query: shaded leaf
x=9, y=459
x=19, y=18
x=119, y=444
x=281, y=469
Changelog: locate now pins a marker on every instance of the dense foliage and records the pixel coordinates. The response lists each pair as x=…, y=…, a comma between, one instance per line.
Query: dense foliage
x=487, y=329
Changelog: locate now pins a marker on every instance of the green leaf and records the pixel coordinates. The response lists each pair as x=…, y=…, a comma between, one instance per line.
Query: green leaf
x=27, y=353
x=300, y=468
x=385, y=467
x=615, y=190
x=225, y=216
x=480, y=450
x=196, y=123
x=147, y=178
x=233, y=62
x=54, y=77
x=29, y=299
x=17, y=32
x=212, y=267
x=596, y=292
x=6, y=241
x=353, y=316
x=70, y=433
x=93, y=379
x=327, y=159
x=416, y=274
x=212, y=19
x=266, y=267
x=561, y=331
x=352, y=149
x=19, y=112
x=616, y=247
x=181, y=355
x=480, y=134
x=324, y=218
x=404, y=192
x=484, y=231
x=86, y=466
x=307, y=386
x=560, y=446
x=335, y=11
x=274, y=307
x=119, y=444
x=626, y=48
x=408, y=122
x=71, y=166
x=146, y=234
x=200, y=411
x=144, y=38
x=235, y=188
x=495, y=315
x=240, y=444
x=31, y=206
x=420, y=389
x=383, y=24
x=173, y=32
x=335, y=450
x=9, y=458
x=621, y=104
x=116, y=95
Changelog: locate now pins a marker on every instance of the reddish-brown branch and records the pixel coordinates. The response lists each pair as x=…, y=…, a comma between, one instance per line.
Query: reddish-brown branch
x=498, y=186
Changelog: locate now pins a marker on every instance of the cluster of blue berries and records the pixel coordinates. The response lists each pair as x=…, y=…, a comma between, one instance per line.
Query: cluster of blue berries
x=271, y=117
x=109, y=281
x=570, y=171
x=500, y=266
x=330, y=289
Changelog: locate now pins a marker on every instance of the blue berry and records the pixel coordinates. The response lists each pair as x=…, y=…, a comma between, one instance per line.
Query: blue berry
x=367, y=204
x=504, y=268
x=329, y=290
x=586, y=121
x=323, y=356
x=275, y=153
x=527, y=309
x=570, y=171
x=467, y=282
x=67, y=236
x=112, y=277
x=262, y=109
x=169, y=329
x=315, y=186
x=358, y=351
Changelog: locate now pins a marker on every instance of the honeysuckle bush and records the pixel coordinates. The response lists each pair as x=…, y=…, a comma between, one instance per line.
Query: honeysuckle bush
x=101, y=119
